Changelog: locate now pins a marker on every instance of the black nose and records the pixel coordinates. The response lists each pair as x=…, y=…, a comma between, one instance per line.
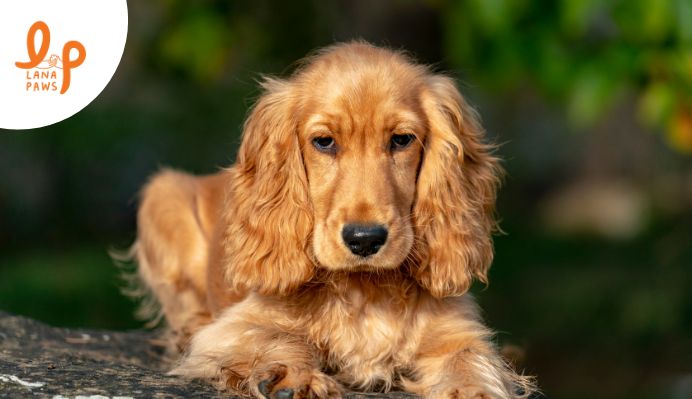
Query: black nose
x=364, y=240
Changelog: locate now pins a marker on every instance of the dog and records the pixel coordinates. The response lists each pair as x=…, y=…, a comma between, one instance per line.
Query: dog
x=337, y=252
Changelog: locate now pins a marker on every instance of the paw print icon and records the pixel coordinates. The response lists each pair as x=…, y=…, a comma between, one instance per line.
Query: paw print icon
x=53, y=61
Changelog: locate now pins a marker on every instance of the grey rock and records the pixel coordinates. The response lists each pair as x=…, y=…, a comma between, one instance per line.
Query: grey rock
x=39, y=361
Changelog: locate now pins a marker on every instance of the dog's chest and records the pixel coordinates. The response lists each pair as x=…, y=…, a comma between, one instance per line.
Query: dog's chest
x=365, y=337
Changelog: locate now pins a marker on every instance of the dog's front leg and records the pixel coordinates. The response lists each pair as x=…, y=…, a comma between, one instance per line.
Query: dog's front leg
x=246, y=353
x=456, y=358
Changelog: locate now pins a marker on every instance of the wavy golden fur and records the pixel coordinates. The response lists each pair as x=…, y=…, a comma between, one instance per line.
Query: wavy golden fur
x=256, y=272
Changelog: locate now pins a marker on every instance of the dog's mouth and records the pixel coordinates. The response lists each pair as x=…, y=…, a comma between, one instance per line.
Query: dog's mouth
x=386, y=258
x=360, y=265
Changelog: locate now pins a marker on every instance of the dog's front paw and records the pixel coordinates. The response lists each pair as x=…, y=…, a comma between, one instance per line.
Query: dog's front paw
x=281, y=382
x=444, y=391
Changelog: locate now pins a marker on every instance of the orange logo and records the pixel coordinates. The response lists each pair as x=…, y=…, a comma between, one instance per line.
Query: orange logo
x=45, y=78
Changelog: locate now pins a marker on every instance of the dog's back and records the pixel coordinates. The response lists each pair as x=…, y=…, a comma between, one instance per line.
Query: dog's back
x=176, y=222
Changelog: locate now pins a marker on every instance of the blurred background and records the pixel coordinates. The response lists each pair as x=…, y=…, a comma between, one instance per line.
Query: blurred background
x=591, y=102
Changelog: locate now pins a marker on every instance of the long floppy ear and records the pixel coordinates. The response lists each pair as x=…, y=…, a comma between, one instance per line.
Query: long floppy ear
x=456, y=191
x=268, y=215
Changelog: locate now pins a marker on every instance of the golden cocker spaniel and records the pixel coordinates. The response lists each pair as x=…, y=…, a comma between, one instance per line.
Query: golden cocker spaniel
x=337, y=252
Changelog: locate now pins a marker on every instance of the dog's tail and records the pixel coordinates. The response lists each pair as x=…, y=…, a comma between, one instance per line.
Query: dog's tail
x=134, y=285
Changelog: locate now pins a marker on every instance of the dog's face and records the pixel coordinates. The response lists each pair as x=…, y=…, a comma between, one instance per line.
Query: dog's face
x=362, y=142
x=361, y=161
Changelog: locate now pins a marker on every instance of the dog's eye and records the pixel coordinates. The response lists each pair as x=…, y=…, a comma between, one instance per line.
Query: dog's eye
x=324, y=144
x=400, y=141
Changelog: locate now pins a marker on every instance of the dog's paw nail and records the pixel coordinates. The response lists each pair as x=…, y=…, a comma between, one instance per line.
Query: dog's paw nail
x=265, y=387
x=286, y=393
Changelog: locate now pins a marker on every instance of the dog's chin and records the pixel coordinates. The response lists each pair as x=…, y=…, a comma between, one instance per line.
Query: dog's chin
x=366, y=266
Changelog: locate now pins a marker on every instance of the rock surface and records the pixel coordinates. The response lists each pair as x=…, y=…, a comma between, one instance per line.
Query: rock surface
x=38, y=361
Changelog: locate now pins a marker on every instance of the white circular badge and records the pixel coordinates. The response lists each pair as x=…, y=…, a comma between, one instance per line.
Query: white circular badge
x=56, y=57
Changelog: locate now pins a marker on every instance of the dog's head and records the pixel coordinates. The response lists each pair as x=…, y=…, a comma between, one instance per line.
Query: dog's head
x=361, y=161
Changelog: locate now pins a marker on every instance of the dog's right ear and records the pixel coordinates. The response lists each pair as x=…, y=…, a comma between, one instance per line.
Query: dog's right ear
x=268, y=214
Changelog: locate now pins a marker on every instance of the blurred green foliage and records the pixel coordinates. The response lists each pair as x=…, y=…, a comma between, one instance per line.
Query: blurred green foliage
x=586, y=54
x=77, y=287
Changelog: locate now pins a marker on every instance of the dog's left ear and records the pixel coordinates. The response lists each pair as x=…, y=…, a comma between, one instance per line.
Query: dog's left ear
x=456, y=191
x=268, y=214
